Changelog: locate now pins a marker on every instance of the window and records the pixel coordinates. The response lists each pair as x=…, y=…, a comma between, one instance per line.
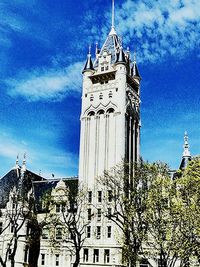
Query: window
x=100, y=112
x=109, y=231
x=106, y=67
x=90, y=196
x=109, y=213
x=110, y=94
x=110, y=110
x=99, y=196
x=44, y=233
x=91, y=113
x=9, y=254
x=1, y=227
x=102, y=68
x=58, y=233
x=96, y=255
x=91, y=98
x=110, y=196
x=63, y=207
x=88, y=231
x=85, y=255
x=12, y=228
x=144, y=263
x=57, y=259
x=42, y=259
x=26, y=253
x=101, y=96
x=98, y=232
x=57, y=207
x=99, y=215
x=106, y=256
x=89, y=214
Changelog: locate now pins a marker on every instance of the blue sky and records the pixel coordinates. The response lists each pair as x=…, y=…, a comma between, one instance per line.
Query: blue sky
x=43, y=46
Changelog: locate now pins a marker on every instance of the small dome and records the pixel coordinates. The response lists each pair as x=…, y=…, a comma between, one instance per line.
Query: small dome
x=61, y=185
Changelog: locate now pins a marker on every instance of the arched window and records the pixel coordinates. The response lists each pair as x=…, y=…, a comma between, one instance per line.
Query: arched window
x=91, y=113
x=110, y=110
x=45, y=233
x=59, y=231
x=101, y=111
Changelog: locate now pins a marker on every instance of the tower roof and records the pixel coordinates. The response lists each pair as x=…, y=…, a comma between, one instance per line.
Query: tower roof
x=112, y=45
x=120, y=56
x=134, y=70
x=88, y=64
x=186, y=153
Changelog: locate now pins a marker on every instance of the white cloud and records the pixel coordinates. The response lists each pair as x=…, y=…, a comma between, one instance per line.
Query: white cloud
x=159, y=28
x=44, y=158
x=46, y=84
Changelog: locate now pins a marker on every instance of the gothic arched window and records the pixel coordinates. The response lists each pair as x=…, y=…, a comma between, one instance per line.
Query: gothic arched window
x=101, y=111
x=110, y=110
x=91, y=113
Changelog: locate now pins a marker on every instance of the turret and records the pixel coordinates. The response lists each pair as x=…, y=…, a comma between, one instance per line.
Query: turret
x=121, y=59
x=89, y=64
x=134, y=70
x=186, y=153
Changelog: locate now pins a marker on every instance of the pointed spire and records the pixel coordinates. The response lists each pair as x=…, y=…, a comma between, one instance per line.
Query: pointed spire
x=113, y=32
x=24, y=163
x=135, y=71
x=17, y=162
x=186, y=151
x=97, y=50
x=113, y=14
x=88, y=64
x=121, y=56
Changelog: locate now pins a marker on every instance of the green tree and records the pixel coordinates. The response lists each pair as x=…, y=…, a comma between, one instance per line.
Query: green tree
x=163, y=228
x=129, y=203
x=188, y=212
x=65, y=219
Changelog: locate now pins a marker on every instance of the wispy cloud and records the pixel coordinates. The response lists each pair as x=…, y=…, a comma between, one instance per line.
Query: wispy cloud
x=60, y=162
x=160, y=28
x=46, y=84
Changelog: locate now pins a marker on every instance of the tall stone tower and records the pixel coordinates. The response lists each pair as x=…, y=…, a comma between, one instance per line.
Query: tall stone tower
x=110, y=116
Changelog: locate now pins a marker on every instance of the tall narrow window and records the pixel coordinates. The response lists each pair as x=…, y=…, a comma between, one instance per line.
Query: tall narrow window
x=109, y=213
x=90, y=196
x=12, y=228
x=99, y=196
x=57, y=208
x=145, y=263
x=44, y=233
x=42, y=259
x=109, y=231
x=85, y=255
x=89, y=214
x=57, y=259
x=1, y=227
x=88, y=231
x=96, y=255
x=110, y=196
x=98, y=214
x=59, y=233
x=63, y=207
x=26, y=253
x=98, y=232
x=106, y=256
